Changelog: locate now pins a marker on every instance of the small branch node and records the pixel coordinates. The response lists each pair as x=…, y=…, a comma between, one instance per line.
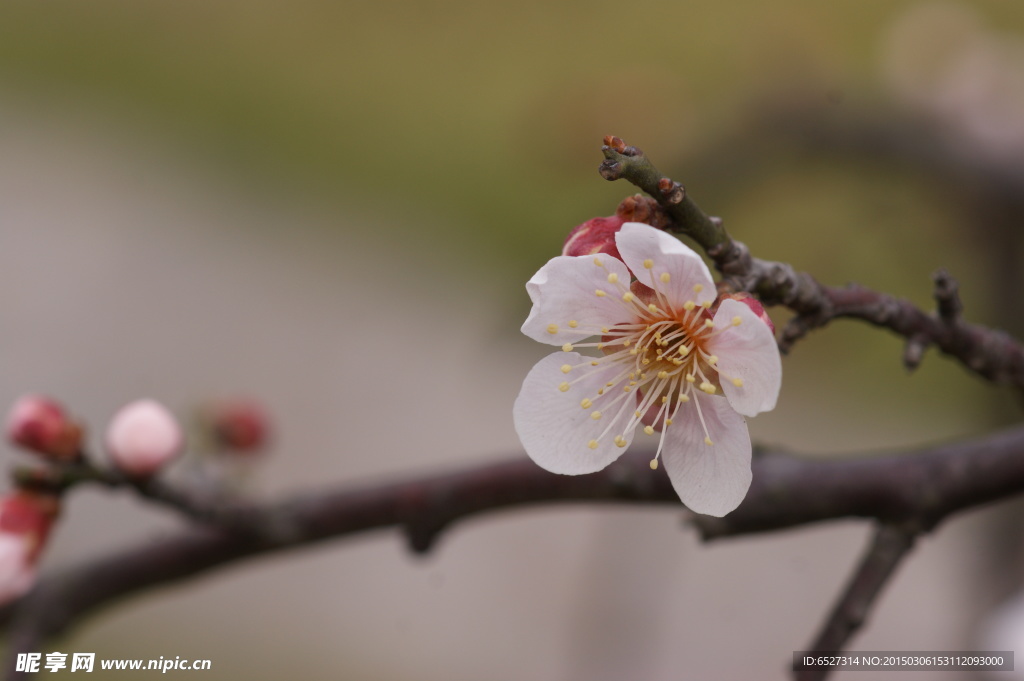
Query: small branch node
x=947, y=296
x=614, y=143
x=672, y=192
x=913, y=353
x=610, y=170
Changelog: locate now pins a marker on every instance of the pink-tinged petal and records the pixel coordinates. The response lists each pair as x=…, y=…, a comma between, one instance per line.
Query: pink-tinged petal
x=749, y=365
x=710, y=479
x=670, y=259
x=566, y=305
x=17, y=573
x=555, y=429
x=143, y=437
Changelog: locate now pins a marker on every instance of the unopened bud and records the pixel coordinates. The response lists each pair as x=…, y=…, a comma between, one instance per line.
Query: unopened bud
x=25, y=522
x=143, y=437
x=596, y=235
x=41, y=425
x=640, y=208
x=238, y=426
x=750, y=301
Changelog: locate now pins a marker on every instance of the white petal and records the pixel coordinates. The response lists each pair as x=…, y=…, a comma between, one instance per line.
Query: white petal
x=639, y=243
x=555, y=430
x=564, y=290
x=710, y=479
x=747, y=352
x=16, y=574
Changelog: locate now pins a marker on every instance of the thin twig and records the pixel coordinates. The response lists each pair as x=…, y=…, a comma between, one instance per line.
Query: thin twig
x=889, y=545
x=992, y=354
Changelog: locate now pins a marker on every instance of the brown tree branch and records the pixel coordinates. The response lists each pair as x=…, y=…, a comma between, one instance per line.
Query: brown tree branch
x=911, y=489
x=990, y=353
x=889, y=545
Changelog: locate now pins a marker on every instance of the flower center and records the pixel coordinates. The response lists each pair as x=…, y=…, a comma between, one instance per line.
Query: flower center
x=661, y=356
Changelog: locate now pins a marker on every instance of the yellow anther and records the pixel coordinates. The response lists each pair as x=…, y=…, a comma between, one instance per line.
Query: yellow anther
x=626, y=388
x=604, y=329
x=668, y=422
x=709, y=324
x=684, y=350
x=643, y=376
x=628, y=297
x=627, y=342
x=600, y=346
x=632, y=382
x=684, y=398
x=664, y=399
x=567, y=347
x=592, y=444
x=690, y=378
x=689, y=305
x=736, y=321
x=608, y=385
x=648, y=264
x=632, y=376
x=678, y=362
x=594, y=363
x=706, y=304
x=552, y=328
x=662, y=375
x=636, y=414
x=566, y=368
x=654, y=464
x=599, y=293
x=597, y=261
x=600, y=391
x=613, y=278
x=620, y=441
x=573, y=323
x=738, y=382
x=648, y=430
x=596, y=415
x=645, y=361
x=708, y=388
x=652, y=307
x=586, y=403
x=707, y=441
x=563, y=386
x=634, y=351
x=697, y=288
x=665, y=277
x=712, y=359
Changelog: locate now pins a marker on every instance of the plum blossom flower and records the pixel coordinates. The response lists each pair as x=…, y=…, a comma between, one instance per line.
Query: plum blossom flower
x=668, y=367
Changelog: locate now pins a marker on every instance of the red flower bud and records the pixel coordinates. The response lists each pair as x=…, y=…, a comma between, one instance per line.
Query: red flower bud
x=236, y=426
x=41, y=425
x=594, y=236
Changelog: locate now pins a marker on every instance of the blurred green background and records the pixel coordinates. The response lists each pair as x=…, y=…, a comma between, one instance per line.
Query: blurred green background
x=454, y=144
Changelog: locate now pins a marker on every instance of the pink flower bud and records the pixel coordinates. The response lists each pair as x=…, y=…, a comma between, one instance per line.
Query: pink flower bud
x=596, y=235
x=750, y=301
x=41, y=425
x=237, y=426
x=143, y=437
x=25, y=522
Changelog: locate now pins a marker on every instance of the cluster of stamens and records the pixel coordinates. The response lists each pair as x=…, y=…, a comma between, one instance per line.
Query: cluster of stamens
x=661, y=354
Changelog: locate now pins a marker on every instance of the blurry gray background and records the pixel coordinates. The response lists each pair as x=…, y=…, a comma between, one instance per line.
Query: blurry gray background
x=333, y=207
